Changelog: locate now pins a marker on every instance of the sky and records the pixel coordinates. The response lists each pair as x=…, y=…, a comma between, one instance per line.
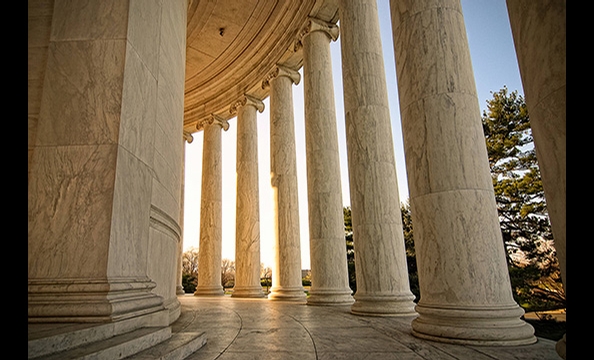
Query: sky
x=494, y=64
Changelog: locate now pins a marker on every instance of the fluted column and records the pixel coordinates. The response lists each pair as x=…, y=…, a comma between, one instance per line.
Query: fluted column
x=286, y=273
x=179, y=288
x=329, y=271
x=382, y=275
x=211, y=210
x=538, y=29
x=464, y=282
x=247, y=228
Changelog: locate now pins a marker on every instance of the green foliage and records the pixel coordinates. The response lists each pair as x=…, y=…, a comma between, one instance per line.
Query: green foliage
x=189, y=282
x=408, y=239
x=525, y=227
x=514, y=170
x=350, y=246
x=190, y=270
x=265, y=277
x=411, y=260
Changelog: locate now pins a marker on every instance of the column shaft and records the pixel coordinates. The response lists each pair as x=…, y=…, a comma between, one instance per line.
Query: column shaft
x=464, y=282
x=538, y=29
x=211, y=213
x=286, y=273
x=382, y=280
x=95, y=218
x=247, y=228
x=329, y=272
x=179, y=289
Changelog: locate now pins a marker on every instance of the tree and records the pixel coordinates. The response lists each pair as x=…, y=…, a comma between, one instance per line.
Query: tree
x=411, y=260
x=408, y=240
x=265, y=276
x=348, y=235
x=227, y=273
x=521, y=205
x=190, y=270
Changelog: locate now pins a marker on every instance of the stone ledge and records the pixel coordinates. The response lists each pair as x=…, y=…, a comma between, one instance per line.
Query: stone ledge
x=115, y=347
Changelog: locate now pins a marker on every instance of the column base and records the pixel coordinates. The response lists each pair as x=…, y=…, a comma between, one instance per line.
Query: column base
x=179, y=290
x=488, y=326
x=248, y=292
x=173, y=306
x=329, y=297
x=91, y=300
x=209, y=291
x=384, y=305
x=293, y=294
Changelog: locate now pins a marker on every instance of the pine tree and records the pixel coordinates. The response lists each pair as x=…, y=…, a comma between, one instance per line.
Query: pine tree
x=520, y=201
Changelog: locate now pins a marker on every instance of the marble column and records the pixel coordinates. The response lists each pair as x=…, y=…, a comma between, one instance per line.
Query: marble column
x=211, y=210
x=179, y=288
x=247, y=228
x=538, y=29
x=95, y=181
x=329, y=272
x=380, y=258
x=466, y=296
x=286, y=272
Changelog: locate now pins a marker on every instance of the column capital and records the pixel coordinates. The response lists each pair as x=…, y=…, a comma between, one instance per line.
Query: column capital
x=314, y=24
x=213, y=119
x=244, y=101
x=187, y=136
x=278, y=71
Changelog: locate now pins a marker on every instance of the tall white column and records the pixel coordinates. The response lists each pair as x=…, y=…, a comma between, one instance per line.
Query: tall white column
x=211, y=210
x=464, y=282
x=179, y=289
x=380, y=259
x=538, y=29
x=286, y=273
x=329, y=271
x=247, y=228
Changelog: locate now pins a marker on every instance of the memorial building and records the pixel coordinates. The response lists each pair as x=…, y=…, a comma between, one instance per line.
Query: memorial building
x=116, y=88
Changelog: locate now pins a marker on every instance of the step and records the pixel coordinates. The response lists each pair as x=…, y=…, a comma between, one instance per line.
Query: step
x=47, y=338
x=178, y=347
x=116, y=347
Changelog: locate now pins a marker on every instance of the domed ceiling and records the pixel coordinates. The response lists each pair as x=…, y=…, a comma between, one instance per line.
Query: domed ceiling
x=232, y=45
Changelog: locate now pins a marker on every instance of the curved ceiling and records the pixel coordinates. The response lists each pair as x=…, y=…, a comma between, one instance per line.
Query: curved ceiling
x=232, y=45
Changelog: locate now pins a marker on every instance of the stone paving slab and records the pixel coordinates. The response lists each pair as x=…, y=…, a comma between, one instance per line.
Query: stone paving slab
x=261, y=329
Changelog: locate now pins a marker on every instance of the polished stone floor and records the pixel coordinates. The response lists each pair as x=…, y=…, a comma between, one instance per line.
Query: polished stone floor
x=266, y=330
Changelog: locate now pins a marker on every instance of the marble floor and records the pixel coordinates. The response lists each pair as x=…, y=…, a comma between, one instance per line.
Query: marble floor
x=267, y=330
